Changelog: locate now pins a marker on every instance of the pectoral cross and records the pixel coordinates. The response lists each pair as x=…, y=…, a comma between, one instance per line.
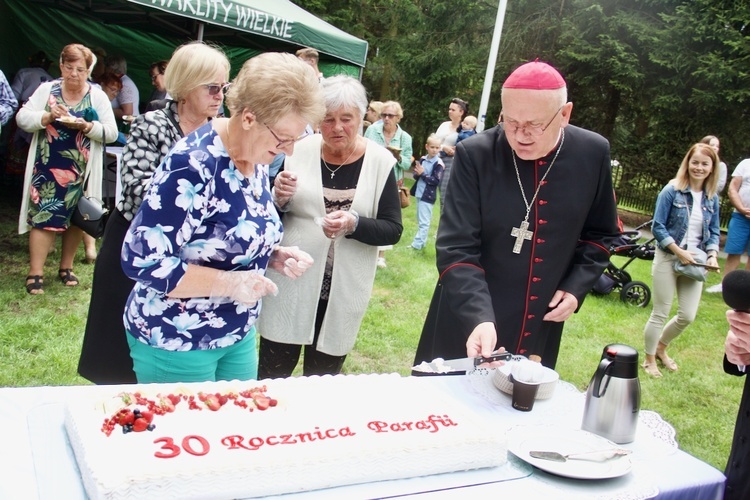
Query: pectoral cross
x=521, y=233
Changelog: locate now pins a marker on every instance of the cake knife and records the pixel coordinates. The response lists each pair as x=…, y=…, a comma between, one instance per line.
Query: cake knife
x=593, y=456
x=440, y=365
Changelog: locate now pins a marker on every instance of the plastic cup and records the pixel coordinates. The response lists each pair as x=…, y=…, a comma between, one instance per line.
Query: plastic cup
x=524, y=394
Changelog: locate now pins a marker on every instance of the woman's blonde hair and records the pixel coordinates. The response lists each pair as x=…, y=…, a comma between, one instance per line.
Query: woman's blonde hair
x=192, y=65
x=274, y=85
x=396, y=107
x=682, y=178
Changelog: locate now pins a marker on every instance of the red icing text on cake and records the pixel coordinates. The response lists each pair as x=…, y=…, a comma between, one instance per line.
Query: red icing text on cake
x=433, y=423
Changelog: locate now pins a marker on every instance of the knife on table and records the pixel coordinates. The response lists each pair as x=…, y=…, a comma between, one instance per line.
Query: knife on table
x=460, y=364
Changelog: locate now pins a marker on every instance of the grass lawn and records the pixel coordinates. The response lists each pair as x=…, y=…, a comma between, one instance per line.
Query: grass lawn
x=40, y=336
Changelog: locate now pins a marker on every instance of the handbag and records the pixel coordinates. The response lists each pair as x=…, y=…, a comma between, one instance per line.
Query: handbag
x=91, y=214
x=698, y=273
x=403, y=194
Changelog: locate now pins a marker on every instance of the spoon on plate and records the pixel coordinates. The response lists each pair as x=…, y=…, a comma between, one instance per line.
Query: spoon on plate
x=593, y=456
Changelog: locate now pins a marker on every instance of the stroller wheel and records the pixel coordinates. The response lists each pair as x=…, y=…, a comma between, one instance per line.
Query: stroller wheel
x=636, y=293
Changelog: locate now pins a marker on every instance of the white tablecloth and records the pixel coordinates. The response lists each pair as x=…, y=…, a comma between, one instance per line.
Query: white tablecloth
x=39, y=464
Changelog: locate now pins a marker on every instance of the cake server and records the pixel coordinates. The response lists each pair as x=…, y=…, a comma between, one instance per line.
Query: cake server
x=461, y=364
x=593, y=456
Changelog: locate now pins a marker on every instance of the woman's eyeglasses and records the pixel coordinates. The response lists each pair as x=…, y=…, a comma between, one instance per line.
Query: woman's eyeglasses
x=387, y=115
x=214, y=89
x=73, y=69
x=284, y=142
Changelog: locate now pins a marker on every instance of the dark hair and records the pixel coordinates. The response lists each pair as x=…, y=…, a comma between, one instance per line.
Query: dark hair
x=110, y=78
x=464, y=109
x=40, y=60
x=160, y=66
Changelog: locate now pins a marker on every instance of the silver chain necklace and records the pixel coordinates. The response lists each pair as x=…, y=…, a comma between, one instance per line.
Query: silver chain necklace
x=334, y=170
x=522, y=232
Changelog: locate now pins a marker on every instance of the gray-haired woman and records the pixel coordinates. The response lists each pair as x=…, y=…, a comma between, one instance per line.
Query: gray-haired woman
x=340, y=200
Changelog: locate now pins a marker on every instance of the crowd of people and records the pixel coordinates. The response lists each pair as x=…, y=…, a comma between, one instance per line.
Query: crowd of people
x=204, y=231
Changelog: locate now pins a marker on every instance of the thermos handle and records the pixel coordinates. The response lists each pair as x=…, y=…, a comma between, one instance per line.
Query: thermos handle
x=599, y=375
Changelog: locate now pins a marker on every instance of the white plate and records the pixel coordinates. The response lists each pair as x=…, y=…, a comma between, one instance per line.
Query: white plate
x=524, y=439
x=66, y=119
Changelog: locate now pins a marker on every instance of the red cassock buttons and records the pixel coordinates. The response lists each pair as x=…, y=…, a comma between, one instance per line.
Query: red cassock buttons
x=543, y=202
x=530, y=316
x=541, y=221
x=526, y=334
x=533, y=297
x=538, y=259
x=540, y=240
x=536, y=279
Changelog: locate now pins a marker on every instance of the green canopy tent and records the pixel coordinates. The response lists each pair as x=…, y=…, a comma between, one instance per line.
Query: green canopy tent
x=145, y=31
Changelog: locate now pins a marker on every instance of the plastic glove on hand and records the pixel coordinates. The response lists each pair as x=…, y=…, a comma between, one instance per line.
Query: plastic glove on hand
x=340, y=223
x=244, y=287
x=290, y=261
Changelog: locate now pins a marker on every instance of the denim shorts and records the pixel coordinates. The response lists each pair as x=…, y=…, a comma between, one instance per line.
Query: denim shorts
x=738, y=235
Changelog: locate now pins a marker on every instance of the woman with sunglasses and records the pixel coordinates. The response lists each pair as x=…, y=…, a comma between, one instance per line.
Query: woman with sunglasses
x=207, y=230
x=387, y=132
x=195, y=78
x=339, y=197
x=447, y=132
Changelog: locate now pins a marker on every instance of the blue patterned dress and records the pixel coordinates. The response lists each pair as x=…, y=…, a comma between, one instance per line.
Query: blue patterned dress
x=61, y=158
x=199, y=209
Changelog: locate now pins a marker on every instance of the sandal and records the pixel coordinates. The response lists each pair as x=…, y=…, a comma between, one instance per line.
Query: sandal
x=668, y=362
x=36, y=286
x=67, y=277
x=651, y=369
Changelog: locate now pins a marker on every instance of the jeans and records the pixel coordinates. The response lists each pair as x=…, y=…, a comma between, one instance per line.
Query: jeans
x=424, y=218
x=665, y=283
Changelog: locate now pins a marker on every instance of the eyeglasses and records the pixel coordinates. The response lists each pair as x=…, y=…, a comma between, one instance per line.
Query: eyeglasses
x=512, y=126
x=387, y=115
x=71, y=69
x=283, y=143
x=214, y=88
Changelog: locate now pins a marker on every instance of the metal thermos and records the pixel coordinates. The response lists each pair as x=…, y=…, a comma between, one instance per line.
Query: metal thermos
x=613, y=398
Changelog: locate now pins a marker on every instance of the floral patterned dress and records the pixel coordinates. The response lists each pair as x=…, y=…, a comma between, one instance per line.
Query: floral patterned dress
x=199, y=209
x=61, y=158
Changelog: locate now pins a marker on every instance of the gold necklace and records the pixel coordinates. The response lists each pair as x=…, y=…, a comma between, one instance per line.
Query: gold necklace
x=522, y=232
x=334, y=170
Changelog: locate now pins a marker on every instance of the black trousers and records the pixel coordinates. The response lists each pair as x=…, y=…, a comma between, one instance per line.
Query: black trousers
x=277, y=360
x=105, y=355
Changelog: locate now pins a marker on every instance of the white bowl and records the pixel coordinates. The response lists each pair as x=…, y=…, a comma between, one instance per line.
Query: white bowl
x=501, y=380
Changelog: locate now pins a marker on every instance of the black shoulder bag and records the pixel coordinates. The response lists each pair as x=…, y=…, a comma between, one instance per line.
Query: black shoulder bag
x=91, y=214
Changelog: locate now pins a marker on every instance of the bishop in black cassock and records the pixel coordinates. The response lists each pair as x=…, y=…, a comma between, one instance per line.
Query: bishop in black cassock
x=498, y=266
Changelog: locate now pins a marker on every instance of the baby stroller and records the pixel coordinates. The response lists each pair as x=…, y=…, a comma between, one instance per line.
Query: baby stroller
x=636, y=293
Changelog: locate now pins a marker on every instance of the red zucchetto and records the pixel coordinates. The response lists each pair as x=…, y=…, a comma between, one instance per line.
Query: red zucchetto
x=535, y=75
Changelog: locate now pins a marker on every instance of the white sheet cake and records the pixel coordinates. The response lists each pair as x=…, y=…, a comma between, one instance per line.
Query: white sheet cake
x=322, y=432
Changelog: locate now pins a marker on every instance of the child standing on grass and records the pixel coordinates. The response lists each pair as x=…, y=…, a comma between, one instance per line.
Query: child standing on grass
x=468, y=128
x=428, y=171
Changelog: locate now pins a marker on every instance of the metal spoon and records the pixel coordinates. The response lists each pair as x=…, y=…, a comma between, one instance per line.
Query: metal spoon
x=593, y=456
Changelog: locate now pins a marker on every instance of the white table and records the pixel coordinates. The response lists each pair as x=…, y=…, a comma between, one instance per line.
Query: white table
x=38, y=463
